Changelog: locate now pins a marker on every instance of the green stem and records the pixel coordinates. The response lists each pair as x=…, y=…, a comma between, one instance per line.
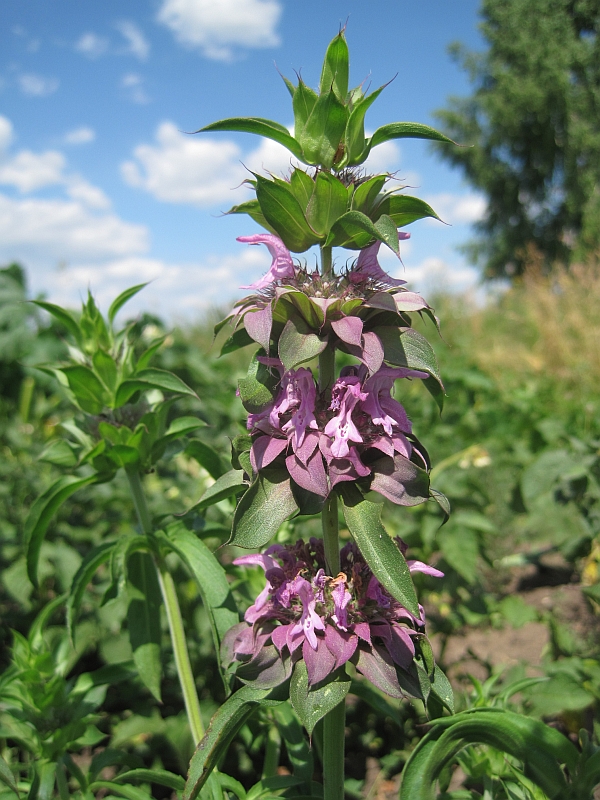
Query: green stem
x=329, y=522
x=176, y=629
x=327, y=357
x=326, y=262
x=333, y=753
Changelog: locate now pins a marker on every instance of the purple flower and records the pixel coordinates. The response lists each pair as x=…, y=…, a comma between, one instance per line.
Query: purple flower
x=367, y=266
x=326, y=621
x=345, y=394
x=281, y=267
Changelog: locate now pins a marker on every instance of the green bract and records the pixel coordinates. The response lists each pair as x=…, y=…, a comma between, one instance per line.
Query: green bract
x=335, y=206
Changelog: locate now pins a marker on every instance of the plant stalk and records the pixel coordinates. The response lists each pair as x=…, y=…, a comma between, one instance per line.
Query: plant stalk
x=175, y=620
x=333, y=753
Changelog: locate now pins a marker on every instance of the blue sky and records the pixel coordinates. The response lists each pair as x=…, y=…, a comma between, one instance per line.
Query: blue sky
x=101, y=187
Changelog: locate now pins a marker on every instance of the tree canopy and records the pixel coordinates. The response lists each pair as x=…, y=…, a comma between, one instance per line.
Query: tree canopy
x=533, y=121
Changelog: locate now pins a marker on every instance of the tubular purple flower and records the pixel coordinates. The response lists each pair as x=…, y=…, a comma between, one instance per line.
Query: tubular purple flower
x=345, y=394
x=380, y=405
x=367, y=266
x=281, y=267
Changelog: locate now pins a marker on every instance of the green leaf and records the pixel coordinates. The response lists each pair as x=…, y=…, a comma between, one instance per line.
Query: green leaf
x=355, y=231
x=259, y=126
x=60, y=453
x=334, y=73
x=355, y=129
x=365, y=194
x=257, y=388
x=42, y=511
x=151, y=379
x=403, y=209
x=541, y=749
x=229, y=484
x=404, y=130
x=143, y=619
x=210, y=576
x=162, y=777
x=327, y=204
x=266, y=505
x=442, y=689
x=226, y=722
x=206, y=456
x=7, y=777
x=408, y=348
x=237, y=340
x=252, y=208
x=179, y=429
x=460, y=548
x=298, y=751
x=66, y=319
x=129, y=792
x=303, y=103
x=324, y=130
x=118, y=303
x=106, y=369
x=302, y=186
x=381, y=554
x=312, y=703
x=144, y=360
x=89, y=393
x=283, y=212
x=87, y=569
x=298, y=344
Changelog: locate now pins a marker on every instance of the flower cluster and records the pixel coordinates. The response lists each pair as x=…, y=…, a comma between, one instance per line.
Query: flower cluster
x=304, y=613
x=361, y=430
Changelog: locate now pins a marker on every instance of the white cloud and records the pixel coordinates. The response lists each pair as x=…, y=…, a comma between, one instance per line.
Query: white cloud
x=42, y=230
x=81, y=135
x=458, y=209
x=383, y=158
x=181, y=168
x=133, y=84
x=91, y=196
x=137, y=44
x=431, y=274
x=217, y=29
x=31, y=171
x=6, y=133
x=92, y=45
x=37, y=85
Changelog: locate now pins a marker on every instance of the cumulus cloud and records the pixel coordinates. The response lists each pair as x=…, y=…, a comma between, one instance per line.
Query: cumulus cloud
x=134, y=86
x=199, y=170
x=29, y=171
x=218, y=29
x=137, y=44
x=6, y=133
x=91, y=45
x=458, y=209
x=37, y=85
x=81, y=135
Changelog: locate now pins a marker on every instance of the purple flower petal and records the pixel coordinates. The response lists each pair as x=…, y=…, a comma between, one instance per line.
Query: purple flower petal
x=419, y=566
x=401, y=647
x=308, y=446
x=281, y=267
x=279, y=636
x=258, y=324
x=363, y=631
x=370, y=352
x=341, y=644
x=320, y=662
x=349, y=329
x=264, y=450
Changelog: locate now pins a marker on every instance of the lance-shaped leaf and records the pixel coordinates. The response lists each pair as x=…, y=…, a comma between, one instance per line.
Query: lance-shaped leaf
x=312, y=703
x=334, y=73
x=365, y=194
x=152, y=379
x=401, y=481
x=237, y=340
x=252, y=208
x=261, y=127
x=143, y=619
x=356, y=231
x=225, y=723
x=210, y=576
x=42, y=511
x=541, y=749
x=403, y=209
x=267, y=504
x=257, y=388
x=283, y=212
x=161, y=777
x=87, y=569
x=324, y=130
x=298, y=751
x=128, y=792
x=405, y=347
x=303, y=102
x=298, y=344
x=355, y=129
x=258, y=324
x=64, y=317
x=207, y=457
x=118, y=303
x=403, y=130
x=381, y=554
x=302, y=186
x=229, y=484
x=7, y=777
x=106, y=368
x=90, y=394
x=328, y=202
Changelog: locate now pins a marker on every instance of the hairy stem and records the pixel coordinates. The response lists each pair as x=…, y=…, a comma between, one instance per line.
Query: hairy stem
x=333, y=753
x=327, y=357
x=176, y=629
